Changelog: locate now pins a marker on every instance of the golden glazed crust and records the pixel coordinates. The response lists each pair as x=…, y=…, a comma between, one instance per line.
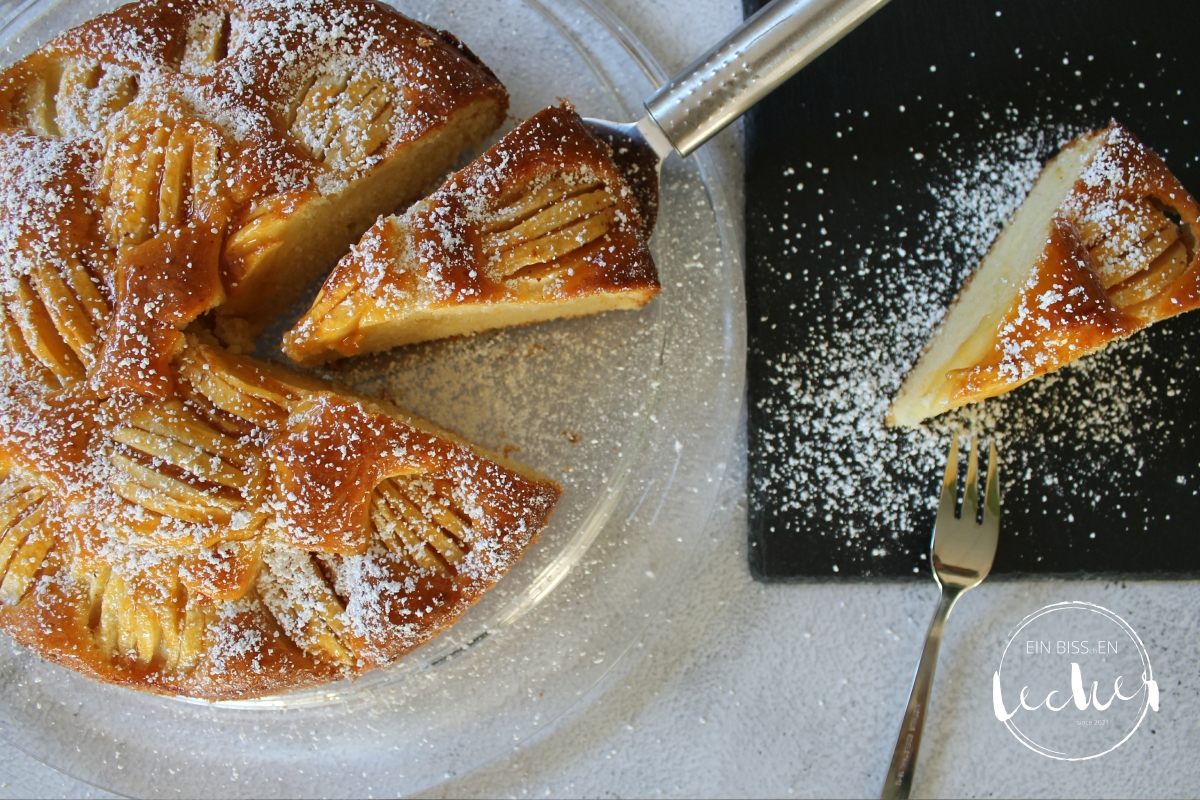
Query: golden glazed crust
x=1116, y=251
x=173, y=516
x=541, y=226
x=257, y=532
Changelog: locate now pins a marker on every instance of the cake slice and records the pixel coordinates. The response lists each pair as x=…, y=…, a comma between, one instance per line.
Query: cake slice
x=1104, y=245
x=541, y=226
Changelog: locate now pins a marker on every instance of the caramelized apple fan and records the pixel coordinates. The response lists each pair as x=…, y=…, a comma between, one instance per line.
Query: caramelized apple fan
x=1104, y=245
x=542, y=226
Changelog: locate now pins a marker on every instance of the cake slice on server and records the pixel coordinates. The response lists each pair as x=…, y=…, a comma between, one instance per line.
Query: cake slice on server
x=541, y=226
x=1104, y=245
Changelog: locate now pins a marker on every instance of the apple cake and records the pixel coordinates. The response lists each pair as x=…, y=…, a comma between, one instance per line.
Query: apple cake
x=175, y=516
x=1103, y=246
x=541, y=226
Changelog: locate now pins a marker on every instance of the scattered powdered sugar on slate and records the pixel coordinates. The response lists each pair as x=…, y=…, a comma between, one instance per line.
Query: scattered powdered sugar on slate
x=980, y=194
x=836, y=463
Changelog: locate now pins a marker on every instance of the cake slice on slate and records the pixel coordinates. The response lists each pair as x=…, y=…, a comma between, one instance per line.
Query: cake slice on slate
x=1103, y=246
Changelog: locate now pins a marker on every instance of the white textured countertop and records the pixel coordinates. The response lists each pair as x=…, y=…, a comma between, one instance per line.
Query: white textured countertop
x=742, y=689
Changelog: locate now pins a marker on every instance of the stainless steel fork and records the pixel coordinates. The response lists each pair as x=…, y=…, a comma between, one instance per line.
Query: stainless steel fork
x=962, y=557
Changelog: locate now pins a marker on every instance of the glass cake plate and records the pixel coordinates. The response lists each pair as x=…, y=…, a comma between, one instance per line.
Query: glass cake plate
x=632, y=412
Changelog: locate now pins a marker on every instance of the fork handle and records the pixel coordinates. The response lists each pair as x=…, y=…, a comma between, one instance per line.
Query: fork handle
x=898, y=784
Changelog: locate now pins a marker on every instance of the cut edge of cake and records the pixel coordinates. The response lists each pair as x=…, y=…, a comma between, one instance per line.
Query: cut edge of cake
x=966, y=332
x=325, y=227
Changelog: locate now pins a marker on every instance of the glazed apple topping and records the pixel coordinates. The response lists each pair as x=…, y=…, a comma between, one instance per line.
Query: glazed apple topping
x=161, y=176
x=175, y=464
x=542, y=226
x=410, y=518
x=342, y=119
x=293, y=588
x=148, y=616
x=1138, y=250
x=24, y=540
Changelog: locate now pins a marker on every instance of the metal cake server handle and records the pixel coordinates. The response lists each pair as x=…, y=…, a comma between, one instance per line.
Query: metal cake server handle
x=749, y=64
x=721, y=85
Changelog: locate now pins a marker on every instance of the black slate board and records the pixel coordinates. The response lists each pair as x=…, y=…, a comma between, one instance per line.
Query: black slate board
x=1101, y=463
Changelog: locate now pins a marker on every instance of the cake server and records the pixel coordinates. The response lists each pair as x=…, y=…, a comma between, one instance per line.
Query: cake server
x=721, y=85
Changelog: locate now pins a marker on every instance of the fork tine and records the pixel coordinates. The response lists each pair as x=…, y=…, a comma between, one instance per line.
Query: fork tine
x=951, y=478
x=991, y=501
x=970, y=504
x=949, y=484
